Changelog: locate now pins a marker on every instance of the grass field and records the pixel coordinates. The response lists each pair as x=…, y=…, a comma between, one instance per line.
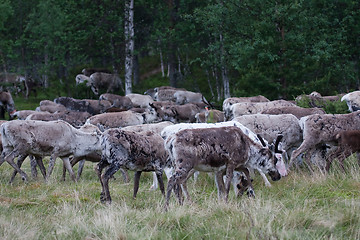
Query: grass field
x=299, y=206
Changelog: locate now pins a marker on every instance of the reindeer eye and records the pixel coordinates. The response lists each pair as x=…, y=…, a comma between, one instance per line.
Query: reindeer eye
x=264, y=152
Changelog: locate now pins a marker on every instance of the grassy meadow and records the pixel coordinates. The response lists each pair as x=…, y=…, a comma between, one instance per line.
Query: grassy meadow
x=299, y=206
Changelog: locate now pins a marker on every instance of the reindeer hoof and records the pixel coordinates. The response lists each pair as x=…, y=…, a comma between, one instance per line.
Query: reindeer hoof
x=251, y=193
x=104, y=199
x=24, y=178
x=107, y=202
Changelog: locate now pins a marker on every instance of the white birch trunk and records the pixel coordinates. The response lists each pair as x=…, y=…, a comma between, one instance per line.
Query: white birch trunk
x=210, y=87
x=45, y=76
x=162, y=64
x=179, y=62
x=218, y=88
x=129, y=44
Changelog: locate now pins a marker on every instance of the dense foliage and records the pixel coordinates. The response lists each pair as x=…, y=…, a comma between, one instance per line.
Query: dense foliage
x=279, y=49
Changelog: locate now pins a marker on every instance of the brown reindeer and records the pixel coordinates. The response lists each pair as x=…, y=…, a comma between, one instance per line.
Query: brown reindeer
x=6, y=104
x=348, y=143
x=133, y=151
x=220, y=150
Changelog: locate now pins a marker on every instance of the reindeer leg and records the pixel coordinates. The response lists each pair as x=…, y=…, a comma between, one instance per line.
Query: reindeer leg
x=10, y=159
x=64, y=173
x=345, y=154
x=308, y=160
x=136, y=183
x=125, y=175
x=183, y=192
x=196, y=175
x=219, y=181
x=171, y=183
x=337, y=154
x=302, y=148
x=234, y=182
x=177, y=178
x=2, y=160
x=41, y=166
x=19, y=163
x=73, y=161
x=112, y=169
x=329, y=161
x=161, y=182
x=155, y=182
x=33, y=166
x=80, y=169
x=341, y=159
x=250, y=189
x=67, y=164
x=267, y=183
x=179, y=193
x=184, y=188
x=51, y=166
x=241, y=186
x=330, y=158
x=229, y=175
x=98, y=170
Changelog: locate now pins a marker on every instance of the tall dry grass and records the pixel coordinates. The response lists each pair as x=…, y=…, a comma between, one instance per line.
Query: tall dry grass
x=299, y=206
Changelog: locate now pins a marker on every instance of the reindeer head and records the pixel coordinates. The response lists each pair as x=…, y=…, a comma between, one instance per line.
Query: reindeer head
x=267, y=159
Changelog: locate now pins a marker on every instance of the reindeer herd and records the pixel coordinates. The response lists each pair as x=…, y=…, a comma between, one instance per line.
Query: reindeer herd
x=173, y=131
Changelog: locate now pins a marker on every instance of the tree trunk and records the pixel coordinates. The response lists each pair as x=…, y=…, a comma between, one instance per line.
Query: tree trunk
x=282, y=66
x=357, y=75
x=218, y=85
x=162, y=64
x=173, y=74
x=129, y=44
x=179, y=62
x=172, y=67
x=224, y=75
x=210, y=87
x=45, y=77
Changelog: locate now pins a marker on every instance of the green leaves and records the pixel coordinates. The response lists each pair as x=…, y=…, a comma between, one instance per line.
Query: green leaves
x=281, y=48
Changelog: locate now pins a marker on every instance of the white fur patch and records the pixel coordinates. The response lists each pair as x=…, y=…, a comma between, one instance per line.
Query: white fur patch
x=280, y=165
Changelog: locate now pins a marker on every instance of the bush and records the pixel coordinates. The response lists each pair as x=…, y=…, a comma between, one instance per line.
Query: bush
x=330, y=107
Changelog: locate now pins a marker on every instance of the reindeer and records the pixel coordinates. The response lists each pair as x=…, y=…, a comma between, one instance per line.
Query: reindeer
x=218, y=150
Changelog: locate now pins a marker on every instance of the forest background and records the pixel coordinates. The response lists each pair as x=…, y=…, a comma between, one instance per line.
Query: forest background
x=278, y=49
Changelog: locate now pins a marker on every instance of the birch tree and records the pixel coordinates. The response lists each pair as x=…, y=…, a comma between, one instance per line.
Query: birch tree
x=173, y=74
x=129, y=44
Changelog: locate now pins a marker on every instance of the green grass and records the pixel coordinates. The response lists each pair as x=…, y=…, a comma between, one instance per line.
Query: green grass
x=299, y=206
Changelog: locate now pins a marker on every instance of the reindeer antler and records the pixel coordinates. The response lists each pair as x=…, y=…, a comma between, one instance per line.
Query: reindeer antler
x=277, y=141
x=261, y=140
